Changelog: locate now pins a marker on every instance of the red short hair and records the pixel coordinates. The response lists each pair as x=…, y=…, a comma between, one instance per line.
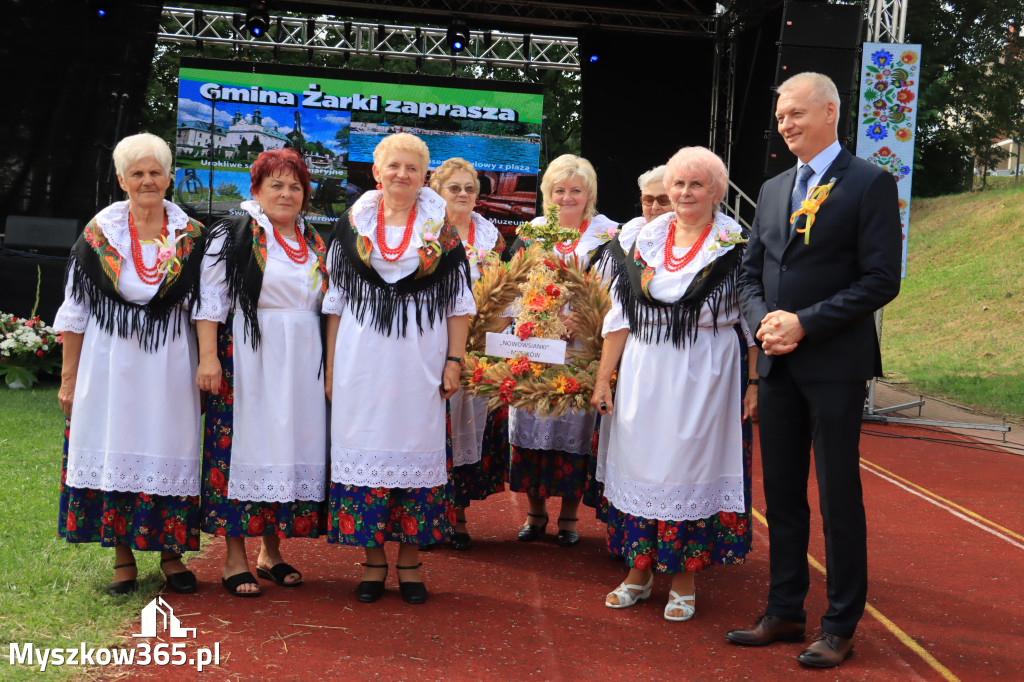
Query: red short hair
x=278, y=161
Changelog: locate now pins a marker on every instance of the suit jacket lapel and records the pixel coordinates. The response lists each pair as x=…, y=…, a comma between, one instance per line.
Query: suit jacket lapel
x=788, y=180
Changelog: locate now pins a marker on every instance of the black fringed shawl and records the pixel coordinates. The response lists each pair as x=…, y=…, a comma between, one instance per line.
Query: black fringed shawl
x=245, y=257
x=433, y=289
x=654, y=321
x=94, y=268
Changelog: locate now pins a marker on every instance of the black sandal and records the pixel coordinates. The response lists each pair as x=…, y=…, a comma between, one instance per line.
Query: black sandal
x=567, y=538
x=237, y=580
x=182, y=582
x=278, y=573
x=122, y=587
x=369, y=591
x=412, y=593
x=529, y=532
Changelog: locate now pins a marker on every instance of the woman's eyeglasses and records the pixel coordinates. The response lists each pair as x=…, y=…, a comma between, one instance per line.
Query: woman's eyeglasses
x=649, y=199
x=468, y=189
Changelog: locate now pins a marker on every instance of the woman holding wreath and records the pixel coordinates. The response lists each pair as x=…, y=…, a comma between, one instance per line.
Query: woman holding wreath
x=130, y=475
x=679, y=492
x=264, y=450
x=398, y=316
x=551, y=457
x=479, y=437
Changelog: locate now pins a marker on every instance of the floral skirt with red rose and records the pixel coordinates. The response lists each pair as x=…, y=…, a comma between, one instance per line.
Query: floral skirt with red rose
x=233, y=518
x=486, y=477
x=148, y=523
x=676, y=546
x=548, y=473
x=369, y=517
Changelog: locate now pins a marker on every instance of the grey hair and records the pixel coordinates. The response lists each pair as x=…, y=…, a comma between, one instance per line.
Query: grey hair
x=823, y=90
x=656, y=174
x=135, y=148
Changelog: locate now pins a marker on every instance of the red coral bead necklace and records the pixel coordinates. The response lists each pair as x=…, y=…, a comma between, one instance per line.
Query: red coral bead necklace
x=298, y=254
x=392, y=254
x=673, y=264
x=566, y=249
x=148, y=275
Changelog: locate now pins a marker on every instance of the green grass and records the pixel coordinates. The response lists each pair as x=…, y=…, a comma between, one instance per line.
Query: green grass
x=52, y=593
x=955, y=331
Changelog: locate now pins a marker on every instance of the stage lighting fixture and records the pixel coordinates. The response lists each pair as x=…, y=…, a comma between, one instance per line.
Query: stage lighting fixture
x=257, y=20
x=458, y=36
x=593, y=59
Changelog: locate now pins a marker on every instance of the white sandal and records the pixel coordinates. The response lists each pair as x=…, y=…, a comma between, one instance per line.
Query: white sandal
x=629, y=594
x=686, y=604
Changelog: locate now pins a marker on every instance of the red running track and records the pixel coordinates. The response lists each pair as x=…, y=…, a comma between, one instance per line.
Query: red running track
x=945, y=596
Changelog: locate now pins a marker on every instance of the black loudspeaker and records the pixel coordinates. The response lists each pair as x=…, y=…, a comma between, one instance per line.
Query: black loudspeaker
x=819, y=24
x=839, y=65
x=49, y=234
x=823, y=38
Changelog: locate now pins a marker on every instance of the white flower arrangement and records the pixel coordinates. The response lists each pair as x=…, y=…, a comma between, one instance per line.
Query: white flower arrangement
x=28, y=348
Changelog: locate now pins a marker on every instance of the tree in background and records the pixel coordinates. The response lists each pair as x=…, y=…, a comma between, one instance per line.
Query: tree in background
x=971, y=90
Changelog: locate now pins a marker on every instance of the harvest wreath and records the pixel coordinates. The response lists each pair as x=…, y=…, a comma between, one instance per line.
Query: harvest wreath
x=540, y=284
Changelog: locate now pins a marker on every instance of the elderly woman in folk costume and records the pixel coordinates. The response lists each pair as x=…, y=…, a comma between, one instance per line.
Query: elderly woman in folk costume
x=680, y=490
x=654, y=202
x=551, y=457
x=131, y=466
x=398, y=316
x=479, y=437
x=264, y=447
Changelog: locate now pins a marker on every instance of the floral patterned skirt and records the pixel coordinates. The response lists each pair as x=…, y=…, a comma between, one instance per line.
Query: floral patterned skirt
x=548, y=473
x=369, y=517
x=675, y=546
x=148, y=523
x=225, y=516
x=486, y=477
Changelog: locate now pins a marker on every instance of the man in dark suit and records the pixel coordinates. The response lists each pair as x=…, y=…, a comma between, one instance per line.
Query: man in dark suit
x=811, y=299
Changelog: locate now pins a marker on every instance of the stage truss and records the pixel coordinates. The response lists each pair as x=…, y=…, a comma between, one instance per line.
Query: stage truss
x=200, y=27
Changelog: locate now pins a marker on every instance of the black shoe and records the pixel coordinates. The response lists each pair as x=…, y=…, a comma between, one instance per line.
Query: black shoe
x=413, y=593
x=567, y=538
x=278, y=573
x=530, y=532
x=461, y=541
x=237, y=580
x=183, y=582
x=369, y=591
x=122, y=587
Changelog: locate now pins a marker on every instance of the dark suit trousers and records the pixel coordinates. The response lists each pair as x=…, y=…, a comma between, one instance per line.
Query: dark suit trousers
x=793, y=415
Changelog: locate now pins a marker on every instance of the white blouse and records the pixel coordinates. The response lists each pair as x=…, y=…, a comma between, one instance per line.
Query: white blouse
x=279, y=411
x=674, y=443
x=135, y=419
x=388, y=417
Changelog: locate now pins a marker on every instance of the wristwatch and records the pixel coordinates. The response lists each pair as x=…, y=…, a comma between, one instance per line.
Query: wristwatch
x=459, y=361
x=753, y=382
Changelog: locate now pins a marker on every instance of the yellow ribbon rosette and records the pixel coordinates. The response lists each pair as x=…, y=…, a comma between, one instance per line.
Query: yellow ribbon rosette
x=809, y=207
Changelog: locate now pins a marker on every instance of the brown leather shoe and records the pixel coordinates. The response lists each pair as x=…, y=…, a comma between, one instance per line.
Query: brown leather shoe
x=768, y=629
x=827, y=651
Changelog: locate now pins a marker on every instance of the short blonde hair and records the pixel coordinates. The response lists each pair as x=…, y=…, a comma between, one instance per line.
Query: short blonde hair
x=823, y=90
x=401, y=142
x=135, y=148
x=569, y=166
x=457, y=164
x=705, y=163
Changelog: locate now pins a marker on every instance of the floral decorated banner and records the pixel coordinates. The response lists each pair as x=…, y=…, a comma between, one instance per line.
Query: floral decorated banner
x=888, y=115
